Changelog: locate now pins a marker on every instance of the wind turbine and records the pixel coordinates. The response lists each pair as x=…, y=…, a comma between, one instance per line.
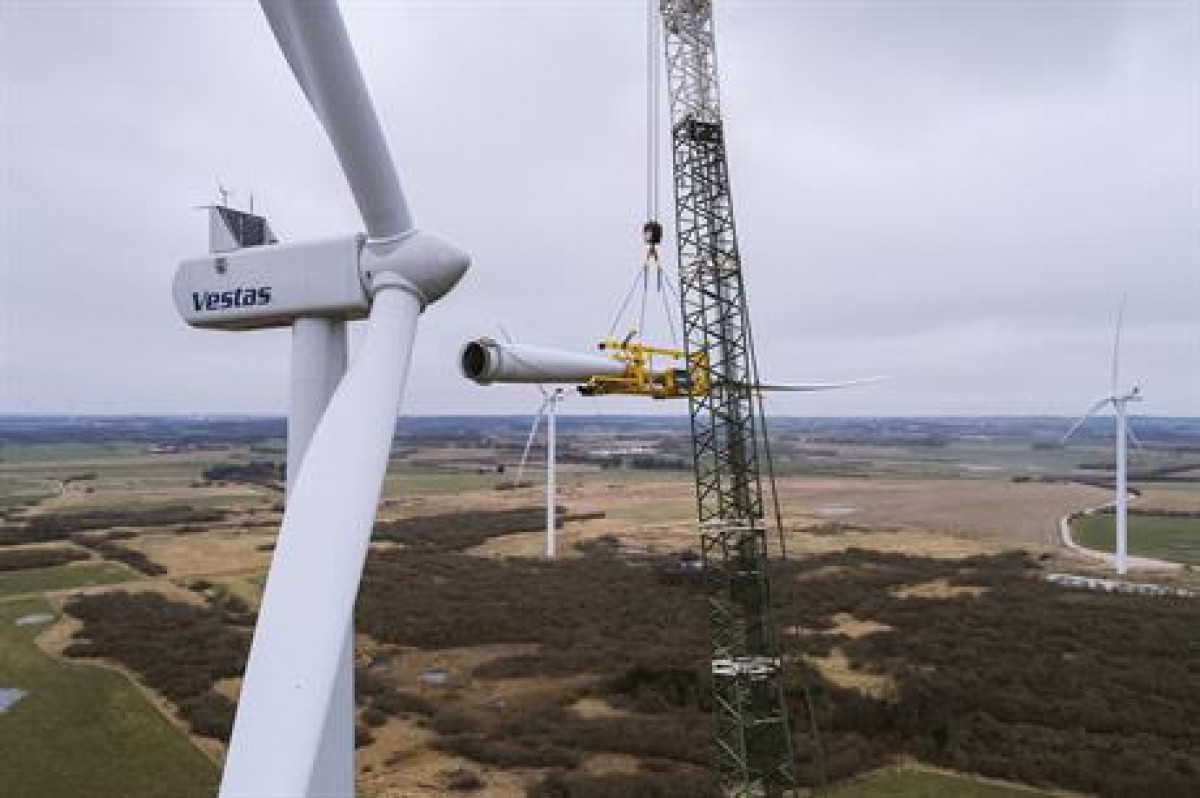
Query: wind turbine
x=549, y=409
x=1118, y=400
x=294, y=730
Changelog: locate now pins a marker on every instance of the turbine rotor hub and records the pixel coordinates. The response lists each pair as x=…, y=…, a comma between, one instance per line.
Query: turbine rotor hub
x=426, y=264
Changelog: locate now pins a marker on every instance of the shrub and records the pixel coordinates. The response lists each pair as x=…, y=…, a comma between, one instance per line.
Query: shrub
x=209, y=714
x=61, y=526
x=462, y=530
x=683, y=784
x=180, y=650
x=509, y=753
x=21, y=559
x=463, y=780
x=374, y=717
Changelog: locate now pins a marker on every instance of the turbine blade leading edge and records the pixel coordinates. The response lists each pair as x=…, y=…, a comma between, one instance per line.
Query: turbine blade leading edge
x=1093, y=410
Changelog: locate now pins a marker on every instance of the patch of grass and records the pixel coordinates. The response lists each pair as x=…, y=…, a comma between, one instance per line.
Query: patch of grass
x=919, y=783
x=61, y=577
x=658, y=511
x=1163, y=537
x=23, y=499
x=86, y=730
x=29, y=453
x=407, y=481
x=19, y=492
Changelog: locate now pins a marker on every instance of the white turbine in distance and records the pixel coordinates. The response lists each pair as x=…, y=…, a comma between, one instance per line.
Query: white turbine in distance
x=549, y=409
x=1118, y=400
x=294, y=730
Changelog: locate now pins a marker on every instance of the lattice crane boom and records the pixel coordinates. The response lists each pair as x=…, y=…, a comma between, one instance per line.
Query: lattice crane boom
x=753, y=740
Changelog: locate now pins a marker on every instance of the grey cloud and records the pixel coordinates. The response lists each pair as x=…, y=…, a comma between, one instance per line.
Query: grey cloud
x=955, y=194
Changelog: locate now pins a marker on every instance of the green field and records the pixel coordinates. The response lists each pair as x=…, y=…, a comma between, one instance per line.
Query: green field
x=908, y=782
x=60, y=453
x=1162, y=537
x=60, y=577
x=401, y=483
x=84, y=730
x=17, y=491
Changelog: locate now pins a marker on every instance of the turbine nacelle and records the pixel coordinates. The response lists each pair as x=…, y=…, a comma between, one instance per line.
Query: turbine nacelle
x=1135, y=395
x=271, y=286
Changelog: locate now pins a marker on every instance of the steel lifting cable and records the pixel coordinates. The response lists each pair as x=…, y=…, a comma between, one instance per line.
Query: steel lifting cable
x=806, y=684
x=612, y=330
x=757, y=398
x=652, y=230
x=652, y=112
x=667, y=312
x=641, y=328
x=668, y=295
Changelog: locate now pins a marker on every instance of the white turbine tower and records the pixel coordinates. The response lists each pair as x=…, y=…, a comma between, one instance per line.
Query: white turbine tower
x=549, y=410
x=1118, y=400
x=294, y=730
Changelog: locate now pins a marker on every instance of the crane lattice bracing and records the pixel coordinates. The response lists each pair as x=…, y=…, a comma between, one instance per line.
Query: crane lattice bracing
x=753, y=742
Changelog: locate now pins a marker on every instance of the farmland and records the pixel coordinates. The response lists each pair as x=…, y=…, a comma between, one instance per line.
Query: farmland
x=63, y=577
x=908, y=781
x=83, y=729
x=1163, y=537
x=902, y=572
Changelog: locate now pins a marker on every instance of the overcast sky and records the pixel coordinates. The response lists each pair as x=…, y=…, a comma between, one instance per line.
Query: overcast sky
x=955, y=194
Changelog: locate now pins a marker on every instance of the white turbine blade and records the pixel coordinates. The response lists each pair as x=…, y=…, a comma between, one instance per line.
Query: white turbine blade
x=1093, y=410
x=291, y=44
x=313, y=39
x=486, y=361
x=1116, y=358
x=309, y=598
x=802, y=387
x=529, y=441
x=1129, y=431
x=508, y=339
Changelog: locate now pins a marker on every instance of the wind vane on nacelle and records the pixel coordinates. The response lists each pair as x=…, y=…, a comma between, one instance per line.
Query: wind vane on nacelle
x=628, y=368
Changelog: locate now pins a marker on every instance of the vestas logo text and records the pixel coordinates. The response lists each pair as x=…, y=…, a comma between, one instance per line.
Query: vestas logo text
x=237, y=298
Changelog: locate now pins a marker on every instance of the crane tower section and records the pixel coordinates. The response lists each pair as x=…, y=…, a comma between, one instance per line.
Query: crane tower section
x=753, y=742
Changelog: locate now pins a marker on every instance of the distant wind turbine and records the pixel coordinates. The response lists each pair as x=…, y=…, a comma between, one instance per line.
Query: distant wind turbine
x=1118, y=400
x=551, y=399
x=548, y=410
